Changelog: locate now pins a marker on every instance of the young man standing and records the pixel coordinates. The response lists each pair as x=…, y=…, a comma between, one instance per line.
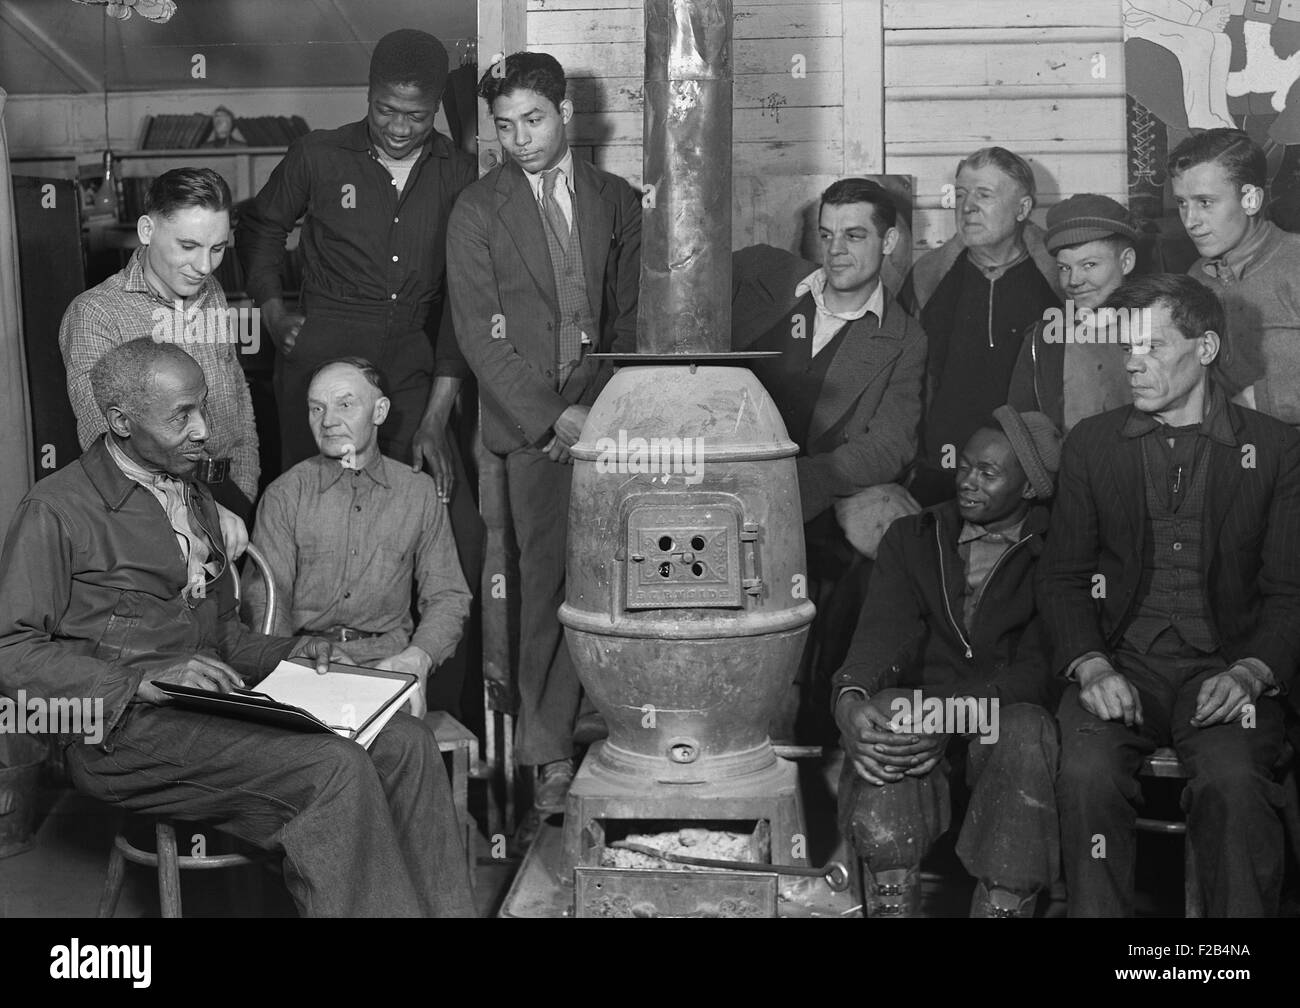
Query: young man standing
x=376, y=195
x=168, y=292
x=544, y=260
x=1070, y=366
x=1249, y=262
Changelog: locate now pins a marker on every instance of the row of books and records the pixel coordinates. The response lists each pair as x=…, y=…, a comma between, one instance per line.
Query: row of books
x=174, y=132
x=182, y=132
x=272, y=131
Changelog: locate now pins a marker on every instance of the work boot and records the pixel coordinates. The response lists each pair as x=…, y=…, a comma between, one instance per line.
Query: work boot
x=551, y=788
x=893, y=893
x=994, y=901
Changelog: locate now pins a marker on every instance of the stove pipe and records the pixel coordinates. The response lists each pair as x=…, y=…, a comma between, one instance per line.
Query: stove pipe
x=686, y=605
x=685, y=304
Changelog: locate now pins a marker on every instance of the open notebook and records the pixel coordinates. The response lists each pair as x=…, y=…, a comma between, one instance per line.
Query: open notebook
x=348, y=700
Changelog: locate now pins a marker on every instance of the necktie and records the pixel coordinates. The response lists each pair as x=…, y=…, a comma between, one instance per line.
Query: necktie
x=551, y=204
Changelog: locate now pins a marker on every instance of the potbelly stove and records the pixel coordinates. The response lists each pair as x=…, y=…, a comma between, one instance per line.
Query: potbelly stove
x=686, y=609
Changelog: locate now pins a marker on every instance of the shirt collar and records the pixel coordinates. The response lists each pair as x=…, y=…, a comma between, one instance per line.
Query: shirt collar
x=1216, y=425
x=356, y=136
x=133, y=470
x=565, y=165
x=331, y=472
x=815, y=284
x=135, y=282
x=1232, y=265
x=971, y=531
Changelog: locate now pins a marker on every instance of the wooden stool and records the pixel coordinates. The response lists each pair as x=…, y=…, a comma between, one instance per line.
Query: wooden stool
x=1164, y=763
x=169, y=863
x=453, y=737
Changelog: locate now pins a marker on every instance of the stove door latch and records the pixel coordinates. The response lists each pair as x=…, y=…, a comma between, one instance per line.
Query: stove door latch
x=753, y=585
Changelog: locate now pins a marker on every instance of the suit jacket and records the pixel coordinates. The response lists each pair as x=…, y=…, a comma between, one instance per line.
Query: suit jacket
x=1250, y=547
x=864, y=425
x=504, y=302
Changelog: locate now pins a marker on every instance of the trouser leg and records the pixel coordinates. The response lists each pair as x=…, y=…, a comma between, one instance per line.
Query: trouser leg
x=894, y=825
x=290, y=382
x=549, y=690
x=318, y=798
x=1097, y=795
x=419, y=793
x=1011, y=836
x=1232, y=804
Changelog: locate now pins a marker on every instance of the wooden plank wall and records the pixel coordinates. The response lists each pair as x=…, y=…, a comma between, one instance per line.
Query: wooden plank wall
x=789, y=121
x=1043, y=78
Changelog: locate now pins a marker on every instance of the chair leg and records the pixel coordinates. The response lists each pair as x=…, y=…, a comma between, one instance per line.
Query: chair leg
x=112, y=883
x=1291, y=811
x=169, y=871
x=1192, y=907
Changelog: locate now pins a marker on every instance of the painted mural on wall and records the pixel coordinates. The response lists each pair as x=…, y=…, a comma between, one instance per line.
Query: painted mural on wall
x=1193, y=65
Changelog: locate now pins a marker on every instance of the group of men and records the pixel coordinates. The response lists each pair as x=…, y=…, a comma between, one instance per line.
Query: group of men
x=1154, y=598
x=1029, y=658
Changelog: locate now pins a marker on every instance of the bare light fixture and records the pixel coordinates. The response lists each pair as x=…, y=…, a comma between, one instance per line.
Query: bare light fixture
x=160, y=11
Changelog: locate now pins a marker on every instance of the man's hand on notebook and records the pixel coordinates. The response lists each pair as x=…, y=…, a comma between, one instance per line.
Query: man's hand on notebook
x=200, y=672
x=322, y=652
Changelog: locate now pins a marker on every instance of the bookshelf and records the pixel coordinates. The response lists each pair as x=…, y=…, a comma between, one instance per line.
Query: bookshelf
x=245, y=169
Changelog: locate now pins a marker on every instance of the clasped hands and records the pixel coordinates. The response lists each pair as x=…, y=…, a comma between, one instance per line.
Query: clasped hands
x=881, y=755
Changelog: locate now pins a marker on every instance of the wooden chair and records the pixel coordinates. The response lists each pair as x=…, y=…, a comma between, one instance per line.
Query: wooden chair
x=169, y=864
x=1165, y=764
x=453, y=738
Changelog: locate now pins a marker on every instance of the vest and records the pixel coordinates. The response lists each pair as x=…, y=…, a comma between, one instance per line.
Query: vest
x=1172, y=590
x=794, y=380
x=575, y=316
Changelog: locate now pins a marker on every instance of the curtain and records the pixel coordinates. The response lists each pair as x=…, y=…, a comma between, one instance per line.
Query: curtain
x=15, y=412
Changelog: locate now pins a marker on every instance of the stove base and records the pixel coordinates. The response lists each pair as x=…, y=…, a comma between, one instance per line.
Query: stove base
x=771, y=796
x=537, y=891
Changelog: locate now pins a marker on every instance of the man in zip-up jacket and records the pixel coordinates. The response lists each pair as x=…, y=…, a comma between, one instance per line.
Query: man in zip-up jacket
x=948, y=671
x=975, y=296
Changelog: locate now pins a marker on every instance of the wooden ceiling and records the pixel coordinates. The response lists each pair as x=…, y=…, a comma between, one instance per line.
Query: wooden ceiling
x=61, y=47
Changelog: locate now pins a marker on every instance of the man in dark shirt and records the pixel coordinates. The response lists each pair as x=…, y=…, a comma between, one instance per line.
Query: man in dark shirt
x=376, y=195
x=1170, y=587
x=976, y=296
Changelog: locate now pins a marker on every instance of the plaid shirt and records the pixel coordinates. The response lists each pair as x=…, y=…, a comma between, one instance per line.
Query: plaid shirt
x=123, y=308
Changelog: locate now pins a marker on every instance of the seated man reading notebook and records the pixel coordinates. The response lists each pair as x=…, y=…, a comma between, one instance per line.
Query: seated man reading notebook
x=346, y=533
x=113, y=577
